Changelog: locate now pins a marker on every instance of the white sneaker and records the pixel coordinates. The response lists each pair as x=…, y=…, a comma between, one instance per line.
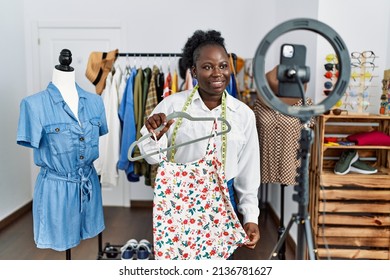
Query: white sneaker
x=128, y=251
x=144, y=250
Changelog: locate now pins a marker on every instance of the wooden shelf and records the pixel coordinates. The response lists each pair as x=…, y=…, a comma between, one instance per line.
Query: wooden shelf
x=350, y=213
x=378, y=180
x=356, y=147
x=358, y=117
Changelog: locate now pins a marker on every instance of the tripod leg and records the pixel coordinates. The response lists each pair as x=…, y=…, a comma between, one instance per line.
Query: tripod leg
x=301, y=246
x=310, y=240
x=282, y=238
x=282, y=251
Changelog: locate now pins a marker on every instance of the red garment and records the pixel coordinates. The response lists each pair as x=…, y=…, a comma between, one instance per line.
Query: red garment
x=167, y=85
x=372, y=138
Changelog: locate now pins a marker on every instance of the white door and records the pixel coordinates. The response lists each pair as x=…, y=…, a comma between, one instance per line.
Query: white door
x=81, y=41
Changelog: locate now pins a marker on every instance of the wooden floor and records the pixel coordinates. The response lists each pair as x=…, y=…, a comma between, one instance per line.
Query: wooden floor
x=122, y=224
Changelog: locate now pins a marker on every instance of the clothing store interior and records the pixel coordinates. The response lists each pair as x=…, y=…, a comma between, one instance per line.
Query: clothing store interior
x=89, y=91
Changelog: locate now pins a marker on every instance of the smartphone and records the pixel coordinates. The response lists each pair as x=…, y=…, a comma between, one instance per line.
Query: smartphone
x=290, y=55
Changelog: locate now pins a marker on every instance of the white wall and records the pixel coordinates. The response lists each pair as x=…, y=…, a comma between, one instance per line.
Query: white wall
x=169, y=23
x=361, y=26
x=151, y=26
x=365, y=28
x=15, y=162
x=164, y=26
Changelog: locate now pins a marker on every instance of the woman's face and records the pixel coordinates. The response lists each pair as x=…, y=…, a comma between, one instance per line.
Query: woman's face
x=212, y=69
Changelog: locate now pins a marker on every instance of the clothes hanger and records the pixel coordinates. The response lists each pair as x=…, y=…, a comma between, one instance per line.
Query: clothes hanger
x=170, y=117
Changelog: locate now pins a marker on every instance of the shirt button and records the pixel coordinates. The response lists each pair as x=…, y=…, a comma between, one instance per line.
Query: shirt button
x=81, y=157
x=81, y=138
x=57, y=129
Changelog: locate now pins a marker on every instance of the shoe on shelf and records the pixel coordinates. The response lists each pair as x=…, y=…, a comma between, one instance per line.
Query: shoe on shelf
x=362, y=168
x=347, y=158
x=128, y=251
x=144, y=250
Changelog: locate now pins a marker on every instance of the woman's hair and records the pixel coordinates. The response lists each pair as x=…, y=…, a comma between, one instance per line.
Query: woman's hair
x=196, y=42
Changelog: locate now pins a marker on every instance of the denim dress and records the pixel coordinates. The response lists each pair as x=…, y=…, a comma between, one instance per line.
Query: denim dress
x=67, y=200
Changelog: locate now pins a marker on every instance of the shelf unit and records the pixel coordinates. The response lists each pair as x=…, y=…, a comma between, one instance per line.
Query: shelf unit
x=350, y=214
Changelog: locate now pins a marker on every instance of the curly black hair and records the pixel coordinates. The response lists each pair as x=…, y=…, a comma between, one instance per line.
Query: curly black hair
x=199, y=39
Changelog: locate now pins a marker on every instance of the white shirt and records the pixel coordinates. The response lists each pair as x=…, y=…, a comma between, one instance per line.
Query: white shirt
x=243, y=156
x=109, y=147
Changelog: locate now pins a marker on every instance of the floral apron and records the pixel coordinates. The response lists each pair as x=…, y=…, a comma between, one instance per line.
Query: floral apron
x=193, y=217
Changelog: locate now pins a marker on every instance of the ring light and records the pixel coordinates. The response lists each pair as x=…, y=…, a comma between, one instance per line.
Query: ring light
x=302, y=112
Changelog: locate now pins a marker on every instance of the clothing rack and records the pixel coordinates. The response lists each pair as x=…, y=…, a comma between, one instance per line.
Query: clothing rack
x=150, y=54
x=234, y=56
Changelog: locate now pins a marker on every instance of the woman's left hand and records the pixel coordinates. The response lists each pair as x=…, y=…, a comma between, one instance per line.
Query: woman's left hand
x=253, y=232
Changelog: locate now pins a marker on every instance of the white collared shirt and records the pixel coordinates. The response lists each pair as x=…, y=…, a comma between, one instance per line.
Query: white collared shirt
x=243, y=156
x=109, y=147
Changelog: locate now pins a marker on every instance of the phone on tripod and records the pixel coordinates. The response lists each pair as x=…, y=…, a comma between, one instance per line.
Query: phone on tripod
x=291, y=56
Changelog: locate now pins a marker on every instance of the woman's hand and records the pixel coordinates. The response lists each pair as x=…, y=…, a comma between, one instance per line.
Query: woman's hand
x=253, y=232
x=155, y=121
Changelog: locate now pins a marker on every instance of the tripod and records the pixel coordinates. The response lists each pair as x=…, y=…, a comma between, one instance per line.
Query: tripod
x=302, y=217
x=300, y=74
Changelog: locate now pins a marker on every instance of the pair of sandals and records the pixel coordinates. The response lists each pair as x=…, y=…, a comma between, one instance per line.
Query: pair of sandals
x=136, y=250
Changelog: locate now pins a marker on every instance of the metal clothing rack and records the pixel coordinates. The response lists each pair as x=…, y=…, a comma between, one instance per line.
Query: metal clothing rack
x=150, y=54
x=234, y=56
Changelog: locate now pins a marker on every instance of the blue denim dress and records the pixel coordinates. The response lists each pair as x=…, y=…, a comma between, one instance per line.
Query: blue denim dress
x=67, y=201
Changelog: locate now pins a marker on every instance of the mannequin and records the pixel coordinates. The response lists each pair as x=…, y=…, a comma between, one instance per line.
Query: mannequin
x=64, y=79
x=279, y=143
x=62, y=124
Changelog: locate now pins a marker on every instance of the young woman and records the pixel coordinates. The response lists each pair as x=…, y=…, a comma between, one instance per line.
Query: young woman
x=238, y=150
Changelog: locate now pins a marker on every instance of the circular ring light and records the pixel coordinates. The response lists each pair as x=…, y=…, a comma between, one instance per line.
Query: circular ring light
x=302, y=112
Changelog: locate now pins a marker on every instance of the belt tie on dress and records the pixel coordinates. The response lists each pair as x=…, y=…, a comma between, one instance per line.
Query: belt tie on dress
x=83, y=181
x=85, y=187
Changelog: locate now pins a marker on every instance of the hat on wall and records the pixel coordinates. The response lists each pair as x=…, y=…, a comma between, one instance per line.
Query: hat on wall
x=98, y=67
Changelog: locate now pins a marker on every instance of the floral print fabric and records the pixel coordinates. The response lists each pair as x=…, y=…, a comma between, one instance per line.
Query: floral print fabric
x=192, y=214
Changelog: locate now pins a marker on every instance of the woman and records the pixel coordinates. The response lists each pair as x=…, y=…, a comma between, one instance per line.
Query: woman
x=206, y=56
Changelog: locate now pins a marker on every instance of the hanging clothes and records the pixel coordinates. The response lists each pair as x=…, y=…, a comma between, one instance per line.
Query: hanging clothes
x=138, y=96
x=122, y=86
x=175, y=82
x=67, y=201
x=127, y=117
x=192, y=215
x=189, y=81
x=160, y=81
x=232, y=87
x=151, y=103
x=279, y=136
x=109, y=148
x=145, y=89
x=139, y=166
x=167, y=85
x=99, y=162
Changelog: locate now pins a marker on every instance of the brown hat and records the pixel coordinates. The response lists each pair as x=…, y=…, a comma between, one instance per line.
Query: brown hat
x=98, y=67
